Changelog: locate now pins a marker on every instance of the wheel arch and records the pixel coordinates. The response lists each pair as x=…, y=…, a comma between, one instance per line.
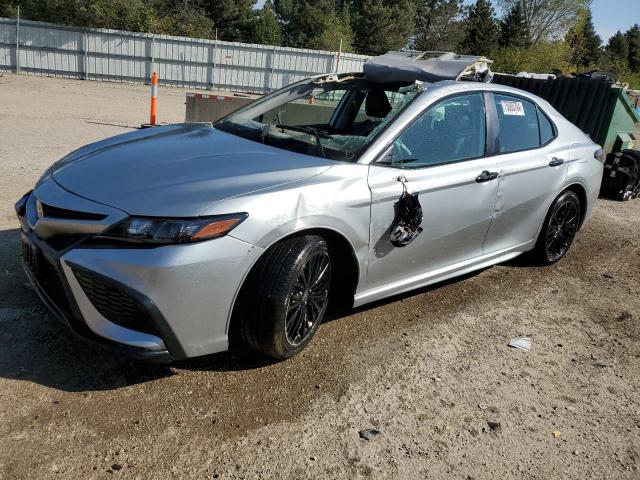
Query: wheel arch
x=346, y=268
x=581, y=192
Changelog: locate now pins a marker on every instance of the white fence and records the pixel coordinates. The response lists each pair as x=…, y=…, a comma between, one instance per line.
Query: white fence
x=39, y=48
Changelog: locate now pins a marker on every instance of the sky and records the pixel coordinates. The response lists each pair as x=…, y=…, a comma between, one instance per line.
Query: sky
x=609, y=16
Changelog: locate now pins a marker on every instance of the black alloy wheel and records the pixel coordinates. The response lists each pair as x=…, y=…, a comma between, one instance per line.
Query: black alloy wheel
x=309, y=299
x=286, y=296
x=562, y=227
x=559, y=229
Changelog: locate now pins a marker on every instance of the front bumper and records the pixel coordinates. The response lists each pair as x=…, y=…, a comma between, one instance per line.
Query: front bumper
x=182, y=294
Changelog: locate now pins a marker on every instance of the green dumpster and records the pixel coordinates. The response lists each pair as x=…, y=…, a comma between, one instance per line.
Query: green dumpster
x=620, y=131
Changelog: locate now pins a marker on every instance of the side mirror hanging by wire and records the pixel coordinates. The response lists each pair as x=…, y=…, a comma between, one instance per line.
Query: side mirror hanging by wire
x=406, y=224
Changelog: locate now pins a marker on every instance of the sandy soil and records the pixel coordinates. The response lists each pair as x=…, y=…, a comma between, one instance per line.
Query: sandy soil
x=430, y=370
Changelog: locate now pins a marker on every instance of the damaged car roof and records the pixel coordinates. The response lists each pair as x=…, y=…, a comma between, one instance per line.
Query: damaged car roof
x=427, y=67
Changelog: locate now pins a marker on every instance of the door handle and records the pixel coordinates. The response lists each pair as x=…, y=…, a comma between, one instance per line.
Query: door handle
x=556, y=162
x=486, y=176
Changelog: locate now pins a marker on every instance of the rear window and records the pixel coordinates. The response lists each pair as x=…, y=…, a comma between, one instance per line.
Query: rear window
x=518, y=124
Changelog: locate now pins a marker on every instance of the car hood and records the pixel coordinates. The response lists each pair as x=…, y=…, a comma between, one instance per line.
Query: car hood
x=178, y=170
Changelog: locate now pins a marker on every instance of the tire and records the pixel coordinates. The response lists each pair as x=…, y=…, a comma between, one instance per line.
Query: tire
x=286, y=297
x=558, y=230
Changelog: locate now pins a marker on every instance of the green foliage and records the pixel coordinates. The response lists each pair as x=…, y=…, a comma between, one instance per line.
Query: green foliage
x=543, y=58
x=187, y=19
x=266, y=29
x=618, y=47
x=438, y=24
x=584, y=42
x=233, y=19
x=526, y=39
x=8, y=8
x=481, y=37
x=380, y=26
x=182, y=17
x=514, y=28
x=633, y=79
x=633, y=40
x=336, y=27
x=303, y=21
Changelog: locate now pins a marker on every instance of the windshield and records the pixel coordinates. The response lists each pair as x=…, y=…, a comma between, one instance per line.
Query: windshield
x=331, y=117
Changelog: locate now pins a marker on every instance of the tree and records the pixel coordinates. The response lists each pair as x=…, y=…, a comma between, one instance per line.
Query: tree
x=548, y=19
x=303, y=20
x=542, y=58
x=232, y=18
x=584, y=41
x=176, y=17
x=481, y=37
x=380, y=26
x=266, y=29
x=183, y=17
x=336, y=30
x=618, y=46
x=438, y=24
x=514, y=30
x=614, y=59
x=633, y=40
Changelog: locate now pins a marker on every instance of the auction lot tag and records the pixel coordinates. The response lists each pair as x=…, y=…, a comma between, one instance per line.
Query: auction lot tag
x=512, y=108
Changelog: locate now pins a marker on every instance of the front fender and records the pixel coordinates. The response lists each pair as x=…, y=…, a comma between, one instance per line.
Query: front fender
x=338, y=200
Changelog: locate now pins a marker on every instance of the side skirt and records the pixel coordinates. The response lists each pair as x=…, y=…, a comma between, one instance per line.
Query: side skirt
x=441, y=274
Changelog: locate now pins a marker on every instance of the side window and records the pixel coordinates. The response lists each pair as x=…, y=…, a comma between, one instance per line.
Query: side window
x=546, y=128
x=452, y=130
x=518, y=124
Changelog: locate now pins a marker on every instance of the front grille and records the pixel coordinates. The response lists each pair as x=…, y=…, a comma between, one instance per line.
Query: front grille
x=47, y=276
x=114, y=303
x=57, y=212
x=61, y=241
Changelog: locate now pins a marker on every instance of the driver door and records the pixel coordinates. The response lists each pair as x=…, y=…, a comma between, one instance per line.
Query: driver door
x=442, y=156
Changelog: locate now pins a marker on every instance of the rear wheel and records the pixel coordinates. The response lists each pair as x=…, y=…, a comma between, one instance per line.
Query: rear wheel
x=286, y=296
x=559, y=229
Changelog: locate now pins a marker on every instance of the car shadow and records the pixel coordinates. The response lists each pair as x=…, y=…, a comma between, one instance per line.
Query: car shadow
x=38, y=348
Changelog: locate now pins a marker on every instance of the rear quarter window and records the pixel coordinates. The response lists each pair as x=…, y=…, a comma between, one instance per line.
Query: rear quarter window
x=546, y=128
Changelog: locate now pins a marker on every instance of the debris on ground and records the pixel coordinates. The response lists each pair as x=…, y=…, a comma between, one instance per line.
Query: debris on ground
x=521, y=343
x=494, y=425
x=624, y=317
x=369, y=434
x=556, y=434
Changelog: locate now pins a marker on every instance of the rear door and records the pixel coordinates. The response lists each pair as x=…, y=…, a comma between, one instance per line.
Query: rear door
x=532, y=166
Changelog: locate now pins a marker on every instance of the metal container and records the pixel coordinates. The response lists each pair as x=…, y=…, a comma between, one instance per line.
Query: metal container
x=598, y=107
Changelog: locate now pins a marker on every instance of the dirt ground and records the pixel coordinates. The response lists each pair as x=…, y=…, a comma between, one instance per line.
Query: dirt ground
x=429, y=370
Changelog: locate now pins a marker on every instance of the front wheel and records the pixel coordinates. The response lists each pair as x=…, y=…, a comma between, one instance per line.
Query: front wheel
x=558, y=230
x=287, y=296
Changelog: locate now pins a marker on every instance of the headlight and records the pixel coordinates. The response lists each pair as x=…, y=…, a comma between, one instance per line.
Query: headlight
x=168, y=231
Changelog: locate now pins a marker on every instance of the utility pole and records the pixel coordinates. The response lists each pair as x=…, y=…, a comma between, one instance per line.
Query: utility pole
x=18, y=41
x=213, y=61
x=339, y=55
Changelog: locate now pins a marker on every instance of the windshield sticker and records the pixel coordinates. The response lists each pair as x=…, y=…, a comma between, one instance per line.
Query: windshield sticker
x=512, y=108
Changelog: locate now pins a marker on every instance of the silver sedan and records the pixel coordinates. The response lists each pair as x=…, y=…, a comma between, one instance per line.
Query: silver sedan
x=174, y=241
